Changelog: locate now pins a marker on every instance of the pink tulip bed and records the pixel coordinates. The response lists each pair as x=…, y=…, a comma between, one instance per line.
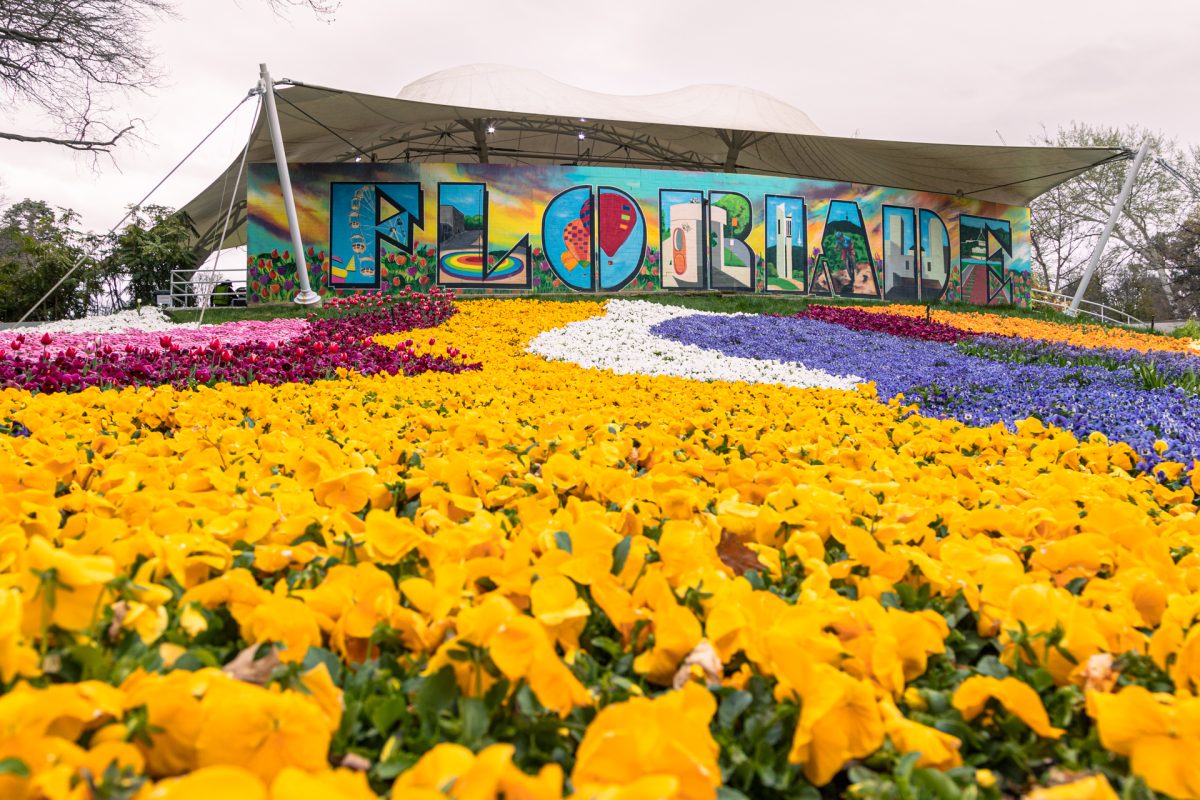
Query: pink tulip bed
x=338, y=337
x=229, y=333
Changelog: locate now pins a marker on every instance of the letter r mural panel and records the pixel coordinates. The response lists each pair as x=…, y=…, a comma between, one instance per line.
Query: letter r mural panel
x=492, y=228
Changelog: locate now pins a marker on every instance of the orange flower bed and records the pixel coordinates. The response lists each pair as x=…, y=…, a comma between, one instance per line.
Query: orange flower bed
x=1081, y=335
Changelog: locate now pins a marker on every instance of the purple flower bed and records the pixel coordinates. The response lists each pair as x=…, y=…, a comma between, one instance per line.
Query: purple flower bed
x=858, y=320
x=980, y=391
x=329, y=343
x=1154, y=368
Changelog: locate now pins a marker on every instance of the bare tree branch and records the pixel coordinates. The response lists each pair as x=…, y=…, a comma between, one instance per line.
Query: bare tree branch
x=69, y=57
x=318, y=7
x=29, y=38
x=87, y=145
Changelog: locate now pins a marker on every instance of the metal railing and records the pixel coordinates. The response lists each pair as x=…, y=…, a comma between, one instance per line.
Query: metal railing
x=200, y=289
x=1106, y=315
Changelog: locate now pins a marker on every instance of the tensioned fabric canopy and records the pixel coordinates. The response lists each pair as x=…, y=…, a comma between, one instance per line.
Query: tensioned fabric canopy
x=500, y=115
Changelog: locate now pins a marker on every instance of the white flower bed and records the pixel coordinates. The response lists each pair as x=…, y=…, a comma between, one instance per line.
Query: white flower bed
x=621, y=341
x=146, y=318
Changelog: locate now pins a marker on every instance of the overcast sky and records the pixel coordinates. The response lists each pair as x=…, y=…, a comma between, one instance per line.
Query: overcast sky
x=929, y=70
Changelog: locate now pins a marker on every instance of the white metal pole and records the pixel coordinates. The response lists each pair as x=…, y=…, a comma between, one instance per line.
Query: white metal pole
x=1114, y=215
x=306, y=296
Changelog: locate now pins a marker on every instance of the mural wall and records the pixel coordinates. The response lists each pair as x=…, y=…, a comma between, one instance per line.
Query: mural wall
x=482, y=228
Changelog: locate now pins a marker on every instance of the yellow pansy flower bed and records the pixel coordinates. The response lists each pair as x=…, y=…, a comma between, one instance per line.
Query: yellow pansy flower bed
x=540, y=581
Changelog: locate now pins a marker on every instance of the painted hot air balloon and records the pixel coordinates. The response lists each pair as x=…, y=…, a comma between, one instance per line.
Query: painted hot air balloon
x=578, y=241
x=577, y=238
x=617, y=218
x=585, y=213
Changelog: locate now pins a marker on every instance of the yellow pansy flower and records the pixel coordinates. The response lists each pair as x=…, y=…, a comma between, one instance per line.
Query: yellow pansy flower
x=1017, y=698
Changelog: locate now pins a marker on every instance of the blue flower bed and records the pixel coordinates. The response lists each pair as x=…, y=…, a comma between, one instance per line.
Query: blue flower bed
x=1072, y=388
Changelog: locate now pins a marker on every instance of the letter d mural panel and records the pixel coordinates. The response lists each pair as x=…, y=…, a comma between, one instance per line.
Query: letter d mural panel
x=496, y=229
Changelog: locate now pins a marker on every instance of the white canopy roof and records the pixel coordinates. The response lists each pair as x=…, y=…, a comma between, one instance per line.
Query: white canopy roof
x=502, y=115
x=527, y=91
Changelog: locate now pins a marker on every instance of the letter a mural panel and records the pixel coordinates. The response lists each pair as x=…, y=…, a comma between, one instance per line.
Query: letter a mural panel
x=497, y=229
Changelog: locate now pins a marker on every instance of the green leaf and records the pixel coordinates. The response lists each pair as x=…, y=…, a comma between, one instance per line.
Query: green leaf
x=932, y=783
x=311, y=534
x=729, y=793
x=991, y=666
x=474, y=718
x=398, y=763
x=905, y=767
x=14, y=766
x=319, y=655
x=732, y=707
x=195, y=659
x=388, y=712
x=620, y=555
x=436, y=694
x=563, y=540
x=1041, y=679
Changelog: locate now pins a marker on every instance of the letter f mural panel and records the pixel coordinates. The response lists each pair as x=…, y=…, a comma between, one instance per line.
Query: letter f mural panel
x=368, y=222
x=564, y=229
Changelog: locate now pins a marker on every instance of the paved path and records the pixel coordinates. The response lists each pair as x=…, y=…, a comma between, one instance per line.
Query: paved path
x=1169, y=325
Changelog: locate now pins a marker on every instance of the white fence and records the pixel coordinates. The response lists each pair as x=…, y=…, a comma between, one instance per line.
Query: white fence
x=205, y=288
x=1106, y=315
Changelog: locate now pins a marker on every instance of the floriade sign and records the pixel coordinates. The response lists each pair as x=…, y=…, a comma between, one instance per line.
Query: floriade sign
x=487, y=227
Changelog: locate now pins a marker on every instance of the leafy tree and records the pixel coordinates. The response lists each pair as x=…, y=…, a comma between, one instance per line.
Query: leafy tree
x=738, y=209
x=1066, y=221
x=67, y=57
x=1182, y=251
x=142, y=255
x=37, y=247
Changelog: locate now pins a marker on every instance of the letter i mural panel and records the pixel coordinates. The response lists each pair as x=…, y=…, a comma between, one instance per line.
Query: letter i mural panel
x=496, y=229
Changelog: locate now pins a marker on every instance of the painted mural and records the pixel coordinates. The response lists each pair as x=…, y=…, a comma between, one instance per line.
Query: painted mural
x=483, y=228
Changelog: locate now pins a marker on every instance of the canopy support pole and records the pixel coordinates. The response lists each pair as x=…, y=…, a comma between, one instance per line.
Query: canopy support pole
x=1114, y=215
x=306, y=296
x=479, y=128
